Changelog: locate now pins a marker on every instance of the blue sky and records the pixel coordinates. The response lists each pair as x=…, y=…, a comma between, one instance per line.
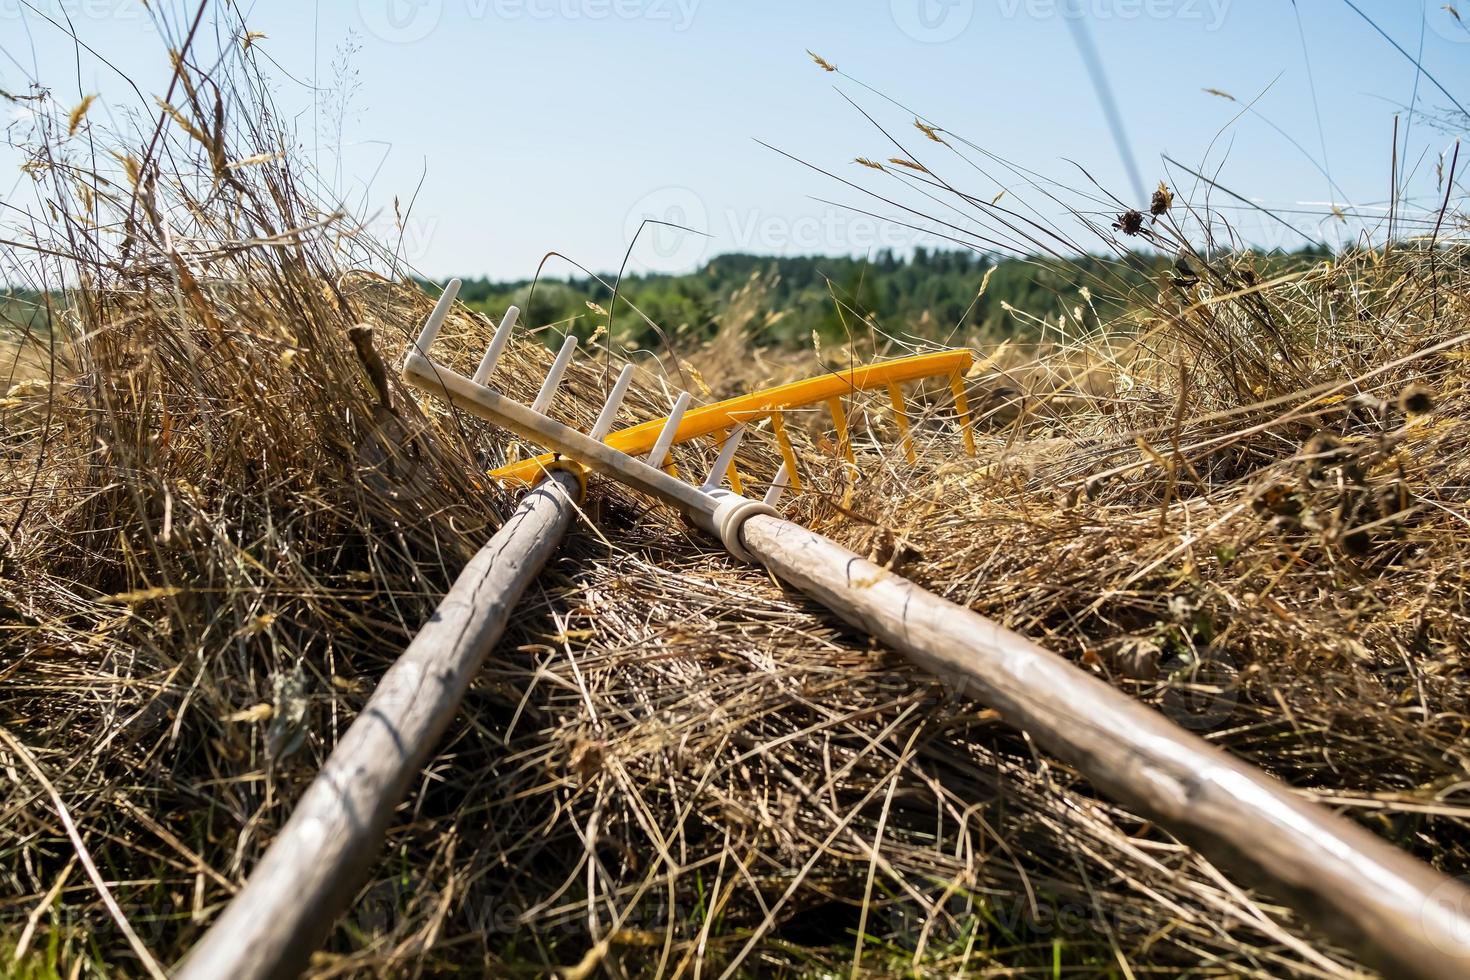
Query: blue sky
x=535, y=125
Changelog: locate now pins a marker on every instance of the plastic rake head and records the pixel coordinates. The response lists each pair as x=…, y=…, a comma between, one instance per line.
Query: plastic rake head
x=640, y=456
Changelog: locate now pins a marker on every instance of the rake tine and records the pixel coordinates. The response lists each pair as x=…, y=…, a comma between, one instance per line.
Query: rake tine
x=839, y=422
x=660, y=451
x=547, y=394
x=788, y=454
x=962, y=411
x=778, y=486
x=609, y=412
x=725, y=460
x=733, y=475
x=436, y=318
x=901, y=416
x=717, y=419
x=497, y=346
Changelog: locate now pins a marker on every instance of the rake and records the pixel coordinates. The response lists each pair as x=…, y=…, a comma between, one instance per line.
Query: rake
x=1398, y=912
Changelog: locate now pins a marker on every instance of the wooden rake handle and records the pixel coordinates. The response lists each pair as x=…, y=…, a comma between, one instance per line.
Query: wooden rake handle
x=315, y=865
x=1400, y=913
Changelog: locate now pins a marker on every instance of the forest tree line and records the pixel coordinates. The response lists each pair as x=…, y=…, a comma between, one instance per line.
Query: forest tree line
x=931, y=294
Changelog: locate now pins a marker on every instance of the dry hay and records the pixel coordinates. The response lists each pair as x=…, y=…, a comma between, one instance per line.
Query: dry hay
x=235, y=517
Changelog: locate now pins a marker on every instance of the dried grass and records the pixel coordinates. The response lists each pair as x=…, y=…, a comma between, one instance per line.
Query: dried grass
x=229, y=518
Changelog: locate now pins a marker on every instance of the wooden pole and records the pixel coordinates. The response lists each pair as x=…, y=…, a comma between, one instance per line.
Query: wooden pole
x=1400, y=913
x=311, y=870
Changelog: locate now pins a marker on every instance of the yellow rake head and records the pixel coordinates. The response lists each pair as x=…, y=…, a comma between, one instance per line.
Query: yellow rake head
x=639, y=456
x=685, y=424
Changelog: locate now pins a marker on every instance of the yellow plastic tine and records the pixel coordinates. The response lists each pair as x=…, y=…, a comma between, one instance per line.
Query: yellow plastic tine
x=901, y=416
x=839, y=420
x=962, y=409
x=709, y=419
x=788, y=454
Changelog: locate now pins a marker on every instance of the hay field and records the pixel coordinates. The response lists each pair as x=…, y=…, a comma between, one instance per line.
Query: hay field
x=1245, y=503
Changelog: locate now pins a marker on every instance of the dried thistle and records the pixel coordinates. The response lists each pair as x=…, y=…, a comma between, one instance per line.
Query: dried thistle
x=1130, y=222
x=1163, y=200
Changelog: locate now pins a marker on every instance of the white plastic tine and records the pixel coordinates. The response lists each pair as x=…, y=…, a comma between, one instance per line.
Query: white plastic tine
x=727, y=455
x=660, y=451
x=609, y=413
x=497, y=346
x=778, y=486
x=436, y=318
x=547, y=394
